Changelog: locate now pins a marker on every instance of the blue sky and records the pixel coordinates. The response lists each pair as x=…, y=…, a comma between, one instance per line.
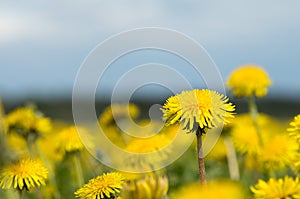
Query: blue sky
x=43, y=43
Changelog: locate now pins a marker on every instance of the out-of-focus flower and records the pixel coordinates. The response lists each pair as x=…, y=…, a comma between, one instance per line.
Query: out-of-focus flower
x=197, y=109
x=214, y=190
x=277, y=188
x=25, y=122
x=147, y=186
x=249, y=80
x=245, y=137
x=24, y=175
x=153, y=145
x=69, y=140
x=278, y=152
x=294, y=129
x=106, y=186
x=118, y=112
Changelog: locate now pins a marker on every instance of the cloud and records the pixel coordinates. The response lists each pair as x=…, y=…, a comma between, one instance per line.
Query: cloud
x=20, y=26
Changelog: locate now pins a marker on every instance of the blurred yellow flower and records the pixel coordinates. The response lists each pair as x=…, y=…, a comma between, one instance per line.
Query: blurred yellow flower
x=245, y=136
x=285, y=188
x=148, y=145
x=105, y=186
x=214, y=190
x=25, y=121
x=278, y=152
x=249, y=80
x=25, y=174
x=197, y=108
x=118, y=112
x=294, y=129
x=69, y=140
x=147, y=186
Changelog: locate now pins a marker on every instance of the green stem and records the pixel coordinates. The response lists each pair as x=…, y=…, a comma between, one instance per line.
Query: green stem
x=20, y=194
x=52, y=180
x=254, y=115
x=200, y=157
x=78, y=168
x=232, y=159
x=29, y=148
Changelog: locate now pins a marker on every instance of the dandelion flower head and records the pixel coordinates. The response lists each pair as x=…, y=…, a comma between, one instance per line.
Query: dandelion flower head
x=216, y=189
x=24, y=175
x=69, y=140
x=118, y=112
x=106, y=186
x=197, y=108
x=278, y=152
x=148, y=186
x=25, y=120
x=249, y=80
x=294, y=129
x=245, y=136
x=286, y=187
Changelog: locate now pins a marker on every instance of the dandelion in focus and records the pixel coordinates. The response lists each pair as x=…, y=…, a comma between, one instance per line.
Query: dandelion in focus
x=249, y=80
x=24, y=175
x=197, y=110
x=286, y=187
x=106, y=186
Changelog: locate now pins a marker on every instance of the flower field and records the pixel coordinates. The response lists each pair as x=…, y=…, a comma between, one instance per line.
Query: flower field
x=256, y=155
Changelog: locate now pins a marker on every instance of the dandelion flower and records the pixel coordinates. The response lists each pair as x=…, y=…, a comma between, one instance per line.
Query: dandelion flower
x=294, y=128
x=145, y=187
x=25, y=174
x=216, y=189
x=277, y=188
x=278, y=152
x=249, y=80
x=245, y=136
x=116, y=112
x=153, y=145
x=69, y=140
x=197, y=108
x=102, y=187
x=25, y=121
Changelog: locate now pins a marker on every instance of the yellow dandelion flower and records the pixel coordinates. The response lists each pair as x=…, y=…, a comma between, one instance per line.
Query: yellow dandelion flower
x=102, y=187
x=294, y=129
x=249, y=80
x=245, y=136
x=148, y=145
x=216, y=189
x=197, y=108
x=25, y=121
x=147, y=186
x=69, y=140
x=116, y=112
x=277, y=188
x=278, y=152
x=25, y=174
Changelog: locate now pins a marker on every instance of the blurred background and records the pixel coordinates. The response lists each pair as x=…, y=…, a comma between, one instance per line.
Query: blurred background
x=43, y=44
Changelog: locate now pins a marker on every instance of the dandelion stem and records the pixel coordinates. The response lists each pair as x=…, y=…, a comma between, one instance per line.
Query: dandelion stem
x=78, y=168
x=20, y=194
x=254, y=113
x=200, y=156
x=232, y=160
x=52, y=179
